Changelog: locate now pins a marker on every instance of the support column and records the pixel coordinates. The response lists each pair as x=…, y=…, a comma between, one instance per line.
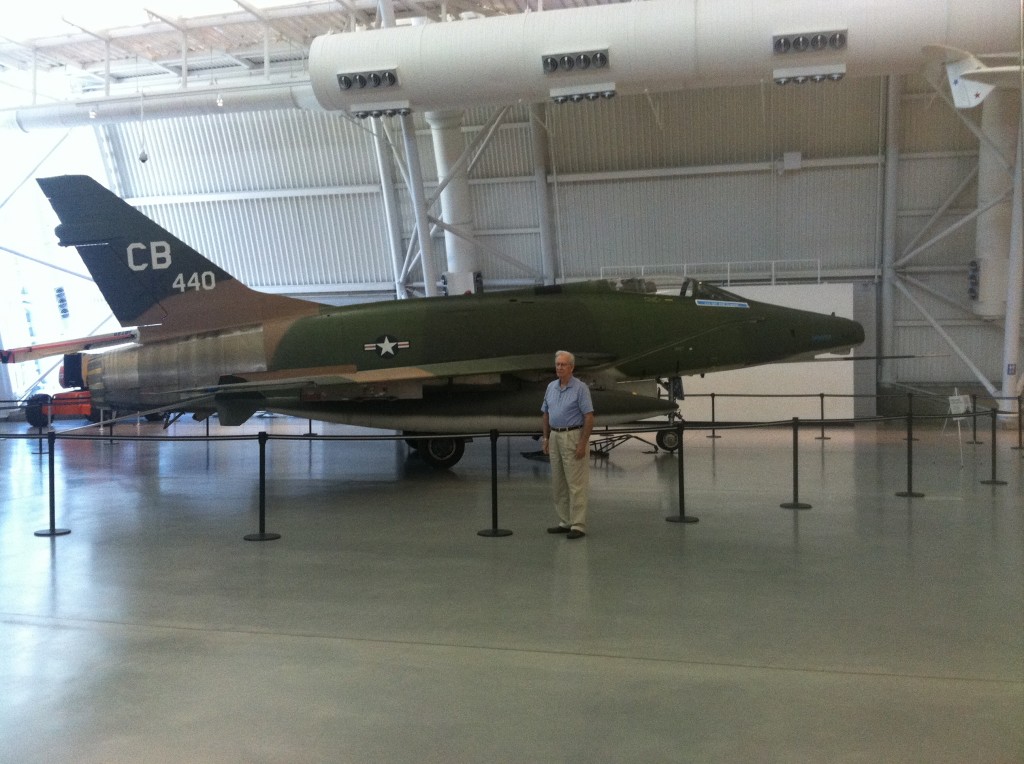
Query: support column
x=419, y=205
x=545, y=219
x=462, y=276
x=1011, y=388
x=390, y=199
x=886, y=375
x=992, y=228
x=6, y=388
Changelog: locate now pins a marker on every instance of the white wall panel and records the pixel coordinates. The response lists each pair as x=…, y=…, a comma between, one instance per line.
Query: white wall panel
x=813, y=214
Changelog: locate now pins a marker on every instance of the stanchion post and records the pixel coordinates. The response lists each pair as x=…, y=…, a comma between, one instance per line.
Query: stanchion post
x=910, y=492
x=821, y=396
x=974, y=421
x=713, y=435
x=51, y=440
x=682, y=517
x=494, y=531
x=994, y=480
x=263, y=535
x=796, y=503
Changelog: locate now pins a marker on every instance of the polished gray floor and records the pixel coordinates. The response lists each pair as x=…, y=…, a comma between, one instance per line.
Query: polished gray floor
x=382, y=628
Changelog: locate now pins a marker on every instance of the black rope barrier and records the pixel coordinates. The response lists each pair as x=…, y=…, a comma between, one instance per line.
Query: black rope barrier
x=796, y=503
x=993, y=480
x=713, y=435
x=910, y=493
x=52, y=530
x=822, y=436
x=974, y=422
x=494, y=531
x=679, y=427
x=262, y=534
x=682, y=517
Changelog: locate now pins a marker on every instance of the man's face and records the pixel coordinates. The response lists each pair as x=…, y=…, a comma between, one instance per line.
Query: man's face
x=563, y=369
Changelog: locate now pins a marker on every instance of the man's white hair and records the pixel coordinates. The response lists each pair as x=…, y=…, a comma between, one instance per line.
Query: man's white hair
x=567, y=354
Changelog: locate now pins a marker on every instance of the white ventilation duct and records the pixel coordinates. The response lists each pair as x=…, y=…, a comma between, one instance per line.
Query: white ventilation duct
x=658, y=45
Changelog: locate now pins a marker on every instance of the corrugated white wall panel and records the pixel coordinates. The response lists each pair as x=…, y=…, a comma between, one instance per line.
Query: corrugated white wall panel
x=826, y=214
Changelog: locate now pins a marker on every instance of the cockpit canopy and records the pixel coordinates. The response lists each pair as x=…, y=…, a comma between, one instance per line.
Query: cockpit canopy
x=700, y=290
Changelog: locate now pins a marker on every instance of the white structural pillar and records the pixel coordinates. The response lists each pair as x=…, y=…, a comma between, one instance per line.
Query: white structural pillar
x=545, y=219
x=6, y=389
x=390, y=200
x=1014, y=287
x=456, y=202
x=999, y=119
x=419, y=204
x=892, y=156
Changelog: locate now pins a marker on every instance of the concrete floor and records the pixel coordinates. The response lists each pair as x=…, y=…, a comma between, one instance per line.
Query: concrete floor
x=382, y=628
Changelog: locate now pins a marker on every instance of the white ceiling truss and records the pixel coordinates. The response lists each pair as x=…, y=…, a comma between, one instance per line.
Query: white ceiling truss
x=269, y=39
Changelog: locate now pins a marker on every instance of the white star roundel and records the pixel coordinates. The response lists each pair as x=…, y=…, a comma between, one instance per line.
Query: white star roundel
x=386, y=346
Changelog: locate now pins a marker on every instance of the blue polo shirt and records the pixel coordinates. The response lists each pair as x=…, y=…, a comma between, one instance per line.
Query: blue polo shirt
x=567, y=406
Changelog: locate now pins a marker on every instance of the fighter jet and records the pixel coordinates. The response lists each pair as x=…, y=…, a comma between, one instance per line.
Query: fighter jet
x=205, y=344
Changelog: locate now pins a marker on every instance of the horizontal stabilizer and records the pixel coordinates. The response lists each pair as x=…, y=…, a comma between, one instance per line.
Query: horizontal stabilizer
x=32, y=352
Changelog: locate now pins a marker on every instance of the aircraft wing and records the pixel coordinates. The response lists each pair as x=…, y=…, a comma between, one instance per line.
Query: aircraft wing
x=32, y=352
x=348, y=376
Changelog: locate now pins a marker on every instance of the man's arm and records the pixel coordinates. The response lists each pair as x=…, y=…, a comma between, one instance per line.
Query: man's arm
x=588, y=426
x=545, y=432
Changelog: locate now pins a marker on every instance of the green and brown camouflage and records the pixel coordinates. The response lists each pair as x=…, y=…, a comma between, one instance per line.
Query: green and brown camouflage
x=209, y=344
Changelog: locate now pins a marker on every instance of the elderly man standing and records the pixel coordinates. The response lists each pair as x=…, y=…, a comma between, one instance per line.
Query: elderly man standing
x=568, y=421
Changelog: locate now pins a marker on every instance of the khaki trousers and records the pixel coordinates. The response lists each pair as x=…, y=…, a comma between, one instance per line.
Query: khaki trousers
x=570, y=478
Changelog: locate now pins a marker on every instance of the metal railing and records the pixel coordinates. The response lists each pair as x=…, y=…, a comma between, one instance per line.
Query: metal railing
x=721, y=273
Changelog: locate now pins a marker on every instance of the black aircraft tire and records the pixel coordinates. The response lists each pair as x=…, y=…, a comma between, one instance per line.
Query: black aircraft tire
x=442, y=453
x=34, y=410
x=667, y=440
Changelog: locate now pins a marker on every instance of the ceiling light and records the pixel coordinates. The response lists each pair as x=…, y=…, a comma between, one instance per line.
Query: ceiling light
x=380, y=109
x=580, y=93
x=374, y=79
x=802, y=74
x=554, y=63
x=812, y=42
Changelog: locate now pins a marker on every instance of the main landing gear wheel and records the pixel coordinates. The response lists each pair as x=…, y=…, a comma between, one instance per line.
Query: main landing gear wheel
x=442, y=453
x=34, y=410
x=667, y=440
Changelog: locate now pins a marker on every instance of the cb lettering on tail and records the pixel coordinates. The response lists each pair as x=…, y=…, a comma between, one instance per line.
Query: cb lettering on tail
x=159, y=256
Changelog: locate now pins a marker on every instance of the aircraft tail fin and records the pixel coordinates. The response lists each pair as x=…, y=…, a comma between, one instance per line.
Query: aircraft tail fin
x=146, y=274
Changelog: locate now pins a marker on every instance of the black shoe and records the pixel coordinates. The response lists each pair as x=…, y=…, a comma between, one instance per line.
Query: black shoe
x=575, y=534
x=559, y=529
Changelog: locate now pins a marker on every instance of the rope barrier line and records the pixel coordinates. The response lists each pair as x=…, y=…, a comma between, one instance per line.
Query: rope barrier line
x=677, y=425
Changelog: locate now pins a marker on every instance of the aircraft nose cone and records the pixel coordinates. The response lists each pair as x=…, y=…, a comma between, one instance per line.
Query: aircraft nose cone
x=857, y=333
x=849, y=333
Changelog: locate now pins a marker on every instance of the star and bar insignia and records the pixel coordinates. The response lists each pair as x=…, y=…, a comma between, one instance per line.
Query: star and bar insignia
x=386, y=346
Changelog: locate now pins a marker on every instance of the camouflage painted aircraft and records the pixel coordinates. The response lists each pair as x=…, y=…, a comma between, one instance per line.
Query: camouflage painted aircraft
x=206, y=344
